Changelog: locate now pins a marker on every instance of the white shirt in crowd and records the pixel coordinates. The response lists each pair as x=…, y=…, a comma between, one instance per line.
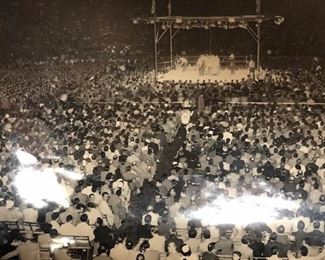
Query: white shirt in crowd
x=68, y=229
x=83, y=229
x=30, y=215
x=157, y=243
x=93, y=214
x=106, y=211
x=119, y=252
x=55, y=225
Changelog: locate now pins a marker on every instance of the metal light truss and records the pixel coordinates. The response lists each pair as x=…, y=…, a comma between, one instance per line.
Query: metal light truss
x=222, y=22
x=197, y=20
x=173, y=24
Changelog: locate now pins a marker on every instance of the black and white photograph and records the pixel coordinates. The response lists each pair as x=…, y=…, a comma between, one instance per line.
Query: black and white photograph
x=162, y=129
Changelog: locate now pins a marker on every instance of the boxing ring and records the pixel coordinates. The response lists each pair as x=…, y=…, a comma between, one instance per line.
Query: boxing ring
x=216, y=69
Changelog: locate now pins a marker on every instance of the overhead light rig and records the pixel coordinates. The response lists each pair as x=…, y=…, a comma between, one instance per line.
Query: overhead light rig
x=173, y=24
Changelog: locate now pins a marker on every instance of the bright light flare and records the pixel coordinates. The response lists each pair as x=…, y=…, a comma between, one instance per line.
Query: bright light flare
x=61, y=242
x=69, y=174
x=242, y=211
x=26, y=159
x=39, y=187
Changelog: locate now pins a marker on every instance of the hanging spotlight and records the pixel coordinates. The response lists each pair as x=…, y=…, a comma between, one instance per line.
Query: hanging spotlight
x=279, y=20
x=232, y=26
x=243, y=25
x=231, y=22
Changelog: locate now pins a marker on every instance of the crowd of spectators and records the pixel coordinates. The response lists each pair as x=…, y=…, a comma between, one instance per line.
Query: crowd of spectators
x=153, y=154
x=117, y=80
